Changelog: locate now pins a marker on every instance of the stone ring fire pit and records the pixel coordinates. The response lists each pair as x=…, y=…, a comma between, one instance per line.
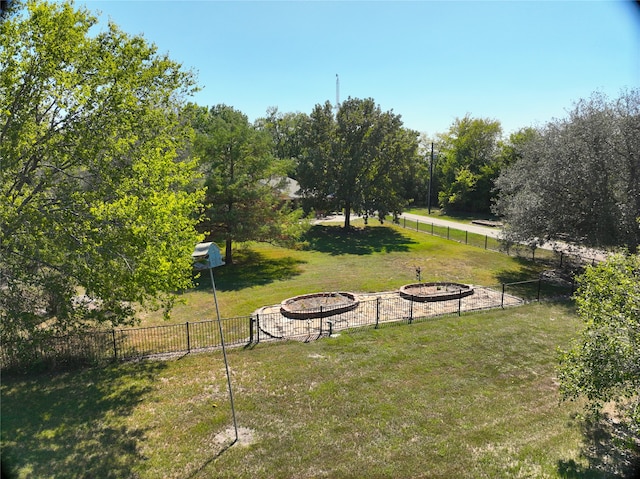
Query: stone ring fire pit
x=430, y=292
x=318, y=305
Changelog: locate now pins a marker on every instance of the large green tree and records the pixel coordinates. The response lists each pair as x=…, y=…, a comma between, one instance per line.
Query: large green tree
x=578, y=178
x=242, y=179
x=94, y=199
x=357, y=161
x=603, y=362
x=287, y=133
x=468, y=163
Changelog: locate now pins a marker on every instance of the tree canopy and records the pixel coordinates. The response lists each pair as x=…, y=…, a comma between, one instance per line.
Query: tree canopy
x=468, y=163
x=578, y=179
x=242, y=179
x=94, y=189
x=603, y=362
x=357, y=161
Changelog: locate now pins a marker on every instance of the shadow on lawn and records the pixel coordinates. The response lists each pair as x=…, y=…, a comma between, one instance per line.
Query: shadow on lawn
x=528, y=274
x=336, y=240
x=250, y=268
x=72, y=424
x=527, y=270
x=609, y=449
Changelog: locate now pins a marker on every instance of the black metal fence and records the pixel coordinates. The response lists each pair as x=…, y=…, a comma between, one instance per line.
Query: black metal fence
x=268, y=324
x=560, y=258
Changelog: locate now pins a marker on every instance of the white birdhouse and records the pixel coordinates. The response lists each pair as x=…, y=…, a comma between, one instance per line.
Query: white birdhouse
x=206, y=256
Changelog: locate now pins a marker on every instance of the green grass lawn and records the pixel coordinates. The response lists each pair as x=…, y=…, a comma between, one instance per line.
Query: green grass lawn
x=458, y=216
x=371, y=259
x=471, y=396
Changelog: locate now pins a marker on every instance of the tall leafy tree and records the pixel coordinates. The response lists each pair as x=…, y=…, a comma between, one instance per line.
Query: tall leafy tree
x=603, y=362
x=94, y=195
x=358, y=161
x=468, y=163
x=242, y=180
x=579, y=178
x=287, y=134
x=315, y=171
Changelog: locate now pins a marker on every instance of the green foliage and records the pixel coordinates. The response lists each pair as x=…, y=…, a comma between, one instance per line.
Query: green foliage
x=468, y=163
x=94, y=195
x=578, y=179
x=287, y=133
x=603, y=363
x=242, y=180
x=359, y=161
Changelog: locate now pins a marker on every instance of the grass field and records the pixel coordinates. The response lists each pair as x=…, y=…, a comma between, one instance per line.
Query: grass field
x=471, y=396
x=459, y=216
x=371, y=259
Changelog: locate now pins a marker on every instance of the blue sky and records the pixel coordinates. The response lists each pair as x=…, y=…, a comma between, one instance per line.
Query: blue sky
x=520, y=62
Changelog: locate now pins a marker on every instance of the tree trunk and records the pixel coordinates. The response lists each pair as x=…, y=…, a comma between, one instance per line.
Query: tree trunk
x=228, y=258
x=347, y=215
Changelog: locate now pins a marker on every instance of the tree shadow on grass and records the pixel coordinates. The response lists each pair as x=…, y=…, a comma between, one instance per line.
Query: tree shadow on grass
x=526, y=277
x=610, y=450
x=335, y=240
x=72, y=424
x=250, y=268
x=527, y=270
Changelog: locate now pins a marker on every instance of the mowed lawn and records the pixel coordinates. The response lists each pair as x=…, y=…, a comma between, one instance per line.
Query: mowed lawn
x=371, y=259
x=470, y=396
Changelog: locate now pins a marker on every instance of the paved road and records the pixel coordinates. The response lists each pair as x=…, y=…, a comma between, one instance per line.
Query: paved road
x=481, y=230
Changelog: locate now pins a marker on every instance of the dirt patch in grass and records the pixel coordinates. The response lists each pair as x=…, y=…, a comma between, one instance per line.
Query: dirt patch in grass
x=246, y=436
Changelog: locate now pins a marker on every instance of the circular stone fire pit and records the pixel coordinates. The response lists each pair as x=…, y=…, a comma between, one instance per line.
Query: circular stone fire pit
x=429, y=292
x=318, y=305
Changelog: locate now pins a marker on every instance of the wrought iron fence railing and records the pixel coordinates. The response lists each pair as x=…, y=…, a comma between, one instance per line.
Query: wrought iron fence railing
x=558, y=257
x=267, y=324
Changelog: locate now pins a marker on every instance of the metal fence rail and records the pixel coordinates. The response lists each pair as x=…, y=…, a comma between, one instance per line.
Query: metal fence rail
x=561, y=258
x=373, y=311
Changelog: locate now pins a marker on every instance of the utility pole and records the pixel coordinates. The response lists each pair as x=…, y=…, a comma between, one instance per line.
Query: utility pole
x=337, y=107
x=430, y=180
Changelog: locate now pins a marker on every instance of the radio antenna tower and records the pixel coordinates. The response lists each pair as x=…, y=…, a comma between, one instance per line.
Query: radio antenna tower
x=337, y=107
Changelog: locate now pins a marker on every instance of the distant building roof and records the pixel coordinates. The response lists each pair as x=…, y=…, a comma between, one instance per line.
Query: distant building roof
x=288, y=187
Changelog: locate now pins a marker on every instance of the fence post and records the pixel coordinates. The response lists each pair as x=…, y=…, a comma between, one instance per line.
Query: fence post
x=417, y=224
x=115, y=344
x=188, y=338
x=251, y=329
x=257, y=328
x=377, y=311
x=405, y=221
x=533, y=253
x=411, y=312
x=431, y=229
x=502, y=300
x=460, y=304
x=466, y=237
x=447, y=232
x=486, y=238
x=539, y=286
